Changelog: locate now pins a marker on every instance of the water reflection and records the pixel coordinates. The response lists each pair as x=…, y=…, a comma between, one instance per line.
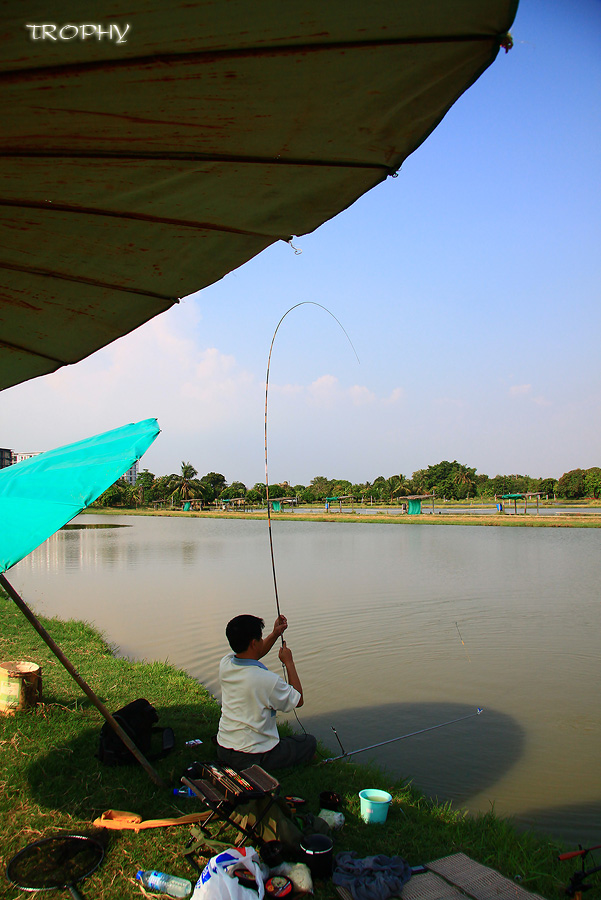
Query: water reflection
x=80, y=526
x=378, y=614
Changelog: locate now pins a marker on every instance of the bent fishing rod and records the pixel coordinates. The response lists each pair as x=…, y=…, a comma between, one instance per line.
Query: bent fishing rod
x=402, y=737
x=296, y=305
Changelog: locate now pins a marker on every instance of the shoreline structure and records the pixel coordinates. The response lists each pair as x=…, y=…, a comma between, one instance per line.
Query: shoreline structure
x=502, y=520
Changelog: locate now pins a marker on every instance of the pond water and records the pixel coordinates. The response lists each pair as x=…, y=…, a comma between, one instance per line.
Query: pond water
x=394, y=628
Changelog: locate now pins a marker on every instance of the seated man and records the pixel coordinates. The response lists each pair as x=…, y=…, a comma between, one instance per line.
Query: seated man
x=250, y=696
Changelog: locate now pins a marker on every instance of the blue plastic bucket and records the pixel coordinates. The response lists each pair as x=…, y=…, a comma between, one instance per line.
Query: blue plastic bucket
x=374, y=806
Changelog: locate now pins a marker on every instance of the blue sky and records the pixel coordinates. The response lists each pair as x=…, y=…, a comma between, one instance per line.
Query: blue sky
x=469, y=286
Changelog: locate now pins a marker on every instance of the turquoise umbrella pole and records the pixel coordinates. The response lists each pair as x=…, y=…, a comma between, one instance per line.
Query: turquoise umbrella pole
x=41, y=494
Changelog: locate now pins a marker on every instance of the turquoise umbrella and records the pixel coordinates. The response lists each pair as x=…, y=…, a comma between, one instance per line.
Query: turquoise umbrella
x=40, y=495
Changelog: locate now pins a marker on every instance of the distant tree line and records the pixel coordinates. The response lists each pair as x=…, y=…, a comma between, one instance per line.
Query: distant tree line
x=446, y=480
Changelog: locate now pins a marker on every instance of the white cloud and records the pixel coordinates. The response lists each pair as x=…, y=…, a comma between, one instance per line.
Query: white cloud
x=217, y=389
x=525, y=390
x=361, y=396
x=519, y=390
x=541, y=401
x=327, y=393
x=396, y=396
x=324, y=391
x=156, y=371
x=209, y=407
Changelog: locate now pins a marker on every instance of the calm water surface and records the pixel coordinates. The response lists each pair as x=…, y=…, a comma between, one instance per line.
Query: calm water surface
x=393, y=628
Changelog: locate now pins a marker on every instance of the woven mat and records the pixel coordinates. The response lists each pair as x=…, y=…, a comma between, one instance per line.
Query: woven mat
x=478, y=881
x=429, y=886
x=454, y=877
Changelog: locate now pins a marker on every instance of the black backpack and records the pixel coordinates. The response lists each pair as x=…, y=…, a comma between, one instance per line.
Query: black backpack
x=137, y=720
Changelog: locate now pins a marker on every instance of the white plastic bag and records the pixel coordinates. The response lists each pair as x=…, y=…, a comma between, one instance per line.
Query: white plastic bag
x=217, y=881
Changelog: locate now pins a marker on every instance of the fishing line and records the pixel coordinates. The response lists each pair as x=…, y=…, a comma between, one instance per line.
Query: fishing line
x=275, y=581
x=461, y=639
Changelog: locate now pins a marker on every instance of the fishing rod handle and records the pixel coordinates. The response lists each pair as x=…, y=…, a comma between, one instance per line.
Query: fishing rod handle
x=573, y=853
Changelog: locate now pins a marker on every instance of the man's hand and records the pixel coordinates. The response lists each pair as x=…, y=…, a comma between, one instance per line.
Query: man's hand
x=280, y=626
x=285, y=654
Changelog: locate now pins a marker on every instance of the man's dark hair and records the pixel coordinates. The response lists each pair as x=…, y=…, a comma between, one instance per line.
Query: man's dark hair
x=241, y=631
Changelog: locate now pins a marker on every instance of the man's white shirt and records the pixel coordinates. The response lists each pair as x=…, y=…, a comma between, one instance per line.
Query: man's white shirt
x=250, y=697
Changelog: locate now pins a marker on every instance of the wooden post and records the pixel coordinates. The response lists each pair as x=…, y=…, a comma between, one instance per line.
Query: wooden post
x=515, y=506
x=32, y=619
x=525, y=503
x=537, y=499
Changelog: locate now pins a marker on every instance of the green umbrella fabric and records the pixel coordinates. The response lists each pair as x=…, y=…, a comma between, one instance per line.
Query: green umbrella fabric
x=137, y=171
x=40, y=495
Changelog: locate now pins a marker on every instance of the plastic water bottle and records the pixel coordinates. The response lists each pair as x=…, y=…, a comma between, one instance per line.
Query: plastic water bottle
x=166, y=884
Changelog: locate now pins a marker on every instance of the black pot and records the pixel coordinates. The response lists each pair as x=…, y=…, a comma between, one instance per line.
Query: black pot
x=272, y=853
x=317, y=851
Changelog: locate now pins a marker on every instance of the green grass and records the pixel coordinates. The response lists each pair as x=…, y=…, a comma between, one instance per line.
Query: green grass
x=50, y=778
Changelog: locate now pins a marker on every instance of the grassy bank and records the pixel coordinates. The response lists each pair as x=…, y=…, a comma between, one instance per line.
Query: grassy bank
x=567, y=520
x=50, y=778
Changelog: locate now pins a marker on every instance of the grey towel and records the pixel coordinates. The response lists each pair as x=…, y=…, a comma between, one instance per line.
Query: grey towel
x=371, y=878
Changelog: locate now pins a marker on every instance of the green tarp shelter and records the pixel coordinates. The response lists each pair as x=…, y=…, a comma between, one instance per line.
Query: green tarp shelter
x=414, y=507
x=523, y=496
x=138, y=170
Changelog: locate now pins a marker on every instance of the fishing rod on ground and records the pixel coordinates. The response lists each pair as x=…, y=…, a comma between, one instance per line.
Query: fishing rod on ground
x=346, y=754
x=577, y=884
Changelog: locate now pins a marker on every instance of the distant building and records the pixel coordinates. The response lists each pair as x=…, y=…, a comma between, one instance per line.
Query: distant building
x=19, y=456
x=10, y=457
x=132, y=474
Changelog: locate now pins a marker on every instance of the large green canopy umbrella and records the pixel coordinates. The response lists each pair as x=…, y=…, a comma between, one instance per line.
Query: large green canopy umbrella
x=40, y=495
x=139, y=169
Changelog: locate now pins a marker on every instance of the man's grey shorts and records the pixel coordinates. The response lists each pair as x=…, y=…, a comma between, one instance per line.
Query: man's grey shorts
x=291, y=751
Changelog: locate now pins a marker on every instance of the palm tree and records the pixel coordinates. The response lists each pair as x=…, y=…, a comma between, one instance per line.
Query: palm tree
x=465, y=478
x=185, y=487
x=396, y=486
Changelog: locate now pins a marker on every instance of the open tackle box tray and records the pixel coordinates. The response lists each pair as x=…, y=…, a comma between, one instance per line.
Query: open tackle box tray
x=223, y=788
x=225, y=783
